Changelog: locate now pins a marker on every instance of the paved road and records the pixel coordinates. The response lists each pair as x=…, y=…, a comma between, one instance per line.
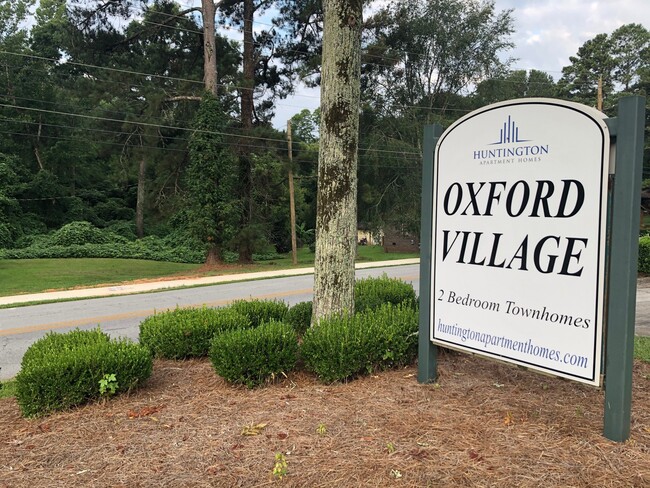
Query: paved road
x=120, y=315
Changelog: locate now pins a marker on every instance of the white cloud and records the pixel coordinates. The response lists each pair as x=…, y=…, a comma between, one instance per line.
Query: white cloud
x=547, y=32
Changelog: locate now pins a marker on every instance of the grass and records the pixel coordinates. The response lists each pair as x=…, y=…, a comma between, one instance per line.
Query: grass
x=7, y=388
x=19, y=276
x=35, y=275
x=642, y=348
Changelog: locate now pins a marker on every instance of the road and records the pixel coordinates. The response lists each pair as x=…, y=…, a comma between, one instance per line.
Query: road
x=120, y=316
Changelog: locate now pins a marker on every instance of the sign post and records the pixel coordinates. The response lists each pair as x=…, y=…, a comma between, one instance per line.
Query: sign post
x=623, y=255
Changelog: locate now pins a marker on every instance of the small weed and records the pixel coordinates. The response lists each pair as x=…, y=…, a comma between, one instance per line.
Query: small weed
x=108, y=385
x=395, y=473
x=280, y=467
x=321, y=429
x=390, y=447
x=579, y=411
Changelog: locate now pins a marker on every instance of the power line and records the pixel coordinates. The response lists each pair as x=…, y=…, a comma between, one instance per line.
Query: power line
x=148, y=124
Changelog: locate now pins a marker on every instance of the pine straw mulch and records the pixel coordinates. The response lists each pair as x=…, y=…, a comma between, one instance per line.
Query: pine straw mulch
x=482, y=424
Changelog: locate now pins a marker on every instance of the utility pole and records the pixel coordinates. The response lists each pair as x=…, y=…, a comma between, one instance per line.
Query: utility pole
x=292, y=202
x=599, y=102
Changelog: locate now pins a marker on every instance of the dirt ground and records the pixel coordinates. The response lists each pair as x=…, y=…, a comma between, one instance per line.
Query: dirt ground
x=481, y=424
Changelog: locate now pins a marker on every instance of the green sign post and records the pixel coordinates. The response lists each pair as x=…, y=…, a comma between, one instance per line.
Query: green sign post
x=626, y=133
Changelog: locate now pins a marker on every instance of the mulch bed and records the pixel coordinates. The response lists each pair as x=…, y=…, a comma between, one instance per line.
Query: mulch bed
x=482, y=424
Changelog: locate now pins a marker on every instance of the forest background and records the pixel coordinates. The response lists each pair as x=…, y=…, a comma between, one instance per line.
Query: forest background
x=133, y=129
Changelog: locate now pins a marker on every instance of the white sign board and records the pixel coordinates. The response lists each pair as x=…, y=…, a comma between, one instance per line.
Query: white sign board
x=519, y=219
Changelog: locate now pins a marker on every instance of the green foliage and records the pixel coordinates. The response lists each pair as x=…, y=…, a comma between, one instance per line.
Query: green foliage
x=211, y=205
x=7, y=389
x=253, y=356
x=644, y=255
x=187, y=332
x=260, y=311
x=60, y=371
x=108, y=385
x=78, y=233
x=299, y=317
x=642, y=348
x=150, y=248
x=371, y=293
x=339, y=348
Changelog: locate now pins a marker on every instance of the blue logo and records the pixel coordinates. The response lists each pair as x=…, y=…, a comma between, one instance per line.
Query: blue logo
x=509, y=133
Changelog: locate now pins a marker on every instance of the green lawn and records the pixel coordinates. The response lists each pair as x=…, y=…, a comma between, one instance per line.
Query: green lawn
x=642, y=348
x=7, y=388
x=35, y=275
x=19, y=276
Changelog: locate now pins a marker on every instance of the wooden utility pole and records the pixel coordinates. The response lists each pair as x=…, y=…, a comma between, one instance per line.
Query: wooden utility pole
x=599, y=103
x=292, y=202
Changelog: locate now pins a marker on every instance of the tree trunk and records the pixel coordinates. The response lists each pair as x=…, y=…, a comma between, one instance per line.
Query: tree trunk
x=248, y=67
x=245, y=161
x=209, y=49
x=214, y=256
x=336, y=214
x=139, y=204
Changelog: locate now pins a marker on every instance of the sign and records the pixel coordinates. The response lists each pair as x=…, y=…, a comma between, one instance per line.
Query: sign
x=518, y=233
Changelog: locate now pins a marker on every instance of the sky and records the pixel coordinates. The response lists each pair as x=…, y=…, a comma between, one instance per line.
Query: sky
x=546, y=33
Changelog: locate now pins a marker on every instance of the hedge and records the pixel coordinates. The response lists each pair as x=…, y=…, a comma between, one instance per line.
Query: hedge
x=253, y=356
x=187, y=332
x=342, y=347
x=60, y=371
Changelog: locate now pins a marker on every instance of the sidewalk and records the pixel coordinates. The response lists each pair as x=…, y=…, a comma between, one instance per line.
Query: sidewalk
x=130, y=289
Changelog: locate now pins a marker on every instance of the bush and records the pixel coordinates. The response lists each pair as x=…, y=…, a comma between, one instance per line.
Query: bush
x=260, y=311
x=187, y=332
x=371, y=293
x=299, y=316
x=644, y=254
x=60, y=371
x=253, y=356
x=340, y=348
x=124, y=250
x=78, y=233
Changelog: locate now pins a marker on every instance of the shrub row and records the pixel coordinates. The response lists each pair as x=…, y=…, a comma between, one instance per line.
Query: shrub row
x=342, y=347
x=252, y=356
x=369, y=294
x=248, y=342
x=124, y=250
x=188, y=332
x=60, y=371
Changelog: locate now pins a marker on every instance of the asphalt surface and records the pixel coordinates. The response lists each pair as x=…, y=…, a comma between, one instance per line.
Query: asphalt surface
x=119, y=309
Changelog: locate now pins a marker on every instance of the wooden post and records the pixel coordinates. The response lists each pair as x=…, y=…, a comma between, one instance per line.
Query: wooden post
x=427, y=352
x=599, y=103
x=292, y=202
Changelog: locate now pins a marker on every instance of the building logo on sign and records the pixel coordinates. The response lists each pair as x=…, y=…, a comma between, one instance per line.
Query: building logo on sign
x=509, y=134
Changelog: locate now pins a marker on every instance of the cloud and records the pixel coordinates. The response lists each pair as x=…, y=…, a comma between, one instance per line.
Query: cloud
x=547, y=32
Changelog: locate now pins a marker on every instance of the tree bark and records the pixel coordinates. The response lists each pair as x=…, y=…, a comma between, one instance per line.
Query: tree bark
x=248, y=67
x=209, y=49
x=336, y=214
x=245, y=161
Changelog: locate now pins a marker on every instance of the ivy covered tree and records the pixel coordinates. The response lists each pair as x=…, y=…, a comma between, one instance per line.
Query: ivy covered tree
x=211, y=205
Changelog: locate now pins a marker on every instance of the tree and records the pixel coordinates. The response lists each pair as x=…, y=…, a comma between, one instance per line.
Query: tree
x=422, y=53
x=593, y=62
x=630, y=45
x=211, y=204
x=515, y=84
x=336, y=216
